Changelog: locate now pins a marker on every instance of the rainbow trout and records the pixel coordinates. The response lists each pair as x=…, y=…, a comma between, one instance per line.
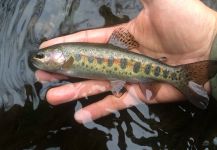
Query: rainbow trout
x=114, y=62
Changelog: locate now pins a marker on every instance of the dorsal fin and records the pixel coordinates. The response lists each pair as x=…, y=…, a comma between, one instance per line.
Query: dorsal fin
x=122, y=38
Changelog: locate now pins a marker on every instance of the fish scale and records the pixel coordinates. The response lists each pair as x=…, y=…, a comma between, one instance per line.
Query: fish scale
x=126, y=66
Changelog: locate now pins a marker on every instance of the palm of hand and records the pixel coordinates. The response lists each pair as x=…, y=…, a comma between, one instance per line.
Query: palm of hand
x=178, y=30
x=169, y=29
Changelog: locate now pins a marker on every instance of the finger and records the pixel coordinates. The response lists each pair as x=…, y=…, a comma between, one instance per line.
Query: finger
x=207, y=86
x=165, y=93
x=96, y=36
x=44, y=77
x=108, y=105
x=134, y=96
x=73, y=91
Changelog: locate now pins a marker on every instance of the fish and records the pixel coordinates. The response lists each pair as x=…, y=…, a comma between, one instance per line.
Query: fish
x=115, y=62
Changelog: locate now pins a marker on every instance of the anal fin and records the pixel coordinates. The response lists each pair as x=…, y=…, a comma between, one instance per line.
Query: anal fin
x=149, y=89
x=68, y=63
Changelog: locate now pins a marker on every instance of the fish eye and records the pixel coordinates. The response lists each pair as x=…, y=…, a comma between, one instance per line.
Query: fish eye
x=39, y=56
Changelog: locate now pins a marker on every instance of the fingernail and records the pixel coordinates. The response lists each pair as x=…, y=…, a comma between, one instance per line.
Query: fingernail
x=83, y=116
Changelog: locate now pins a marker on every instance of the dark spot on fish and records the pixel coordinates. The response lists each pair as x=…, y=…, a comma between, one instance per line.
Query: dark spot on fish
x=157, y=71
x=123, y=63
x=165, y=73
x=178, y=71
x=103, y=67
x=115, y=68
x=110, y=61
x=136, y=67
x=90, y=59
x=82, y=63
x=178, y=77
x=99, y=60
x=147, y=68
x=173, y=76
x=77, y=57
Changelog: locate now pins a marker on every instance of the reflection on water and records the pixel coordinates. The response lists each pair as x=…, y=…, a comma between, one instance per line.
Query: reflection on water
x=24, y=24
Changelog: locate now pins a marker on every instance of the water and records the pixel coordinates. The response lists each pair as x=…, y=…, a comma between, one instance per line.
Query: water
x=31, y=123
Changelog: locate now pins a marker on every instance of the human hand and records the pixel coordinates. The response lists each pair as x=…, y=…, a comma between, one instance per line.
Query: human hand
x=182, y=31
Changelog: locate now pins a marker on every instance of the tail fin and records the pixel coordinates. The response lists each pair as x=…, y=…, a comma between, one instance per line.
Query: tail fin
x=197, y=75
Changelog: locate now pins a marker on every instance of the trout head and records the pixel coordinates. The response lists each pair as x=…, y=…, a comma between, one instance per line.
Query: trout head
x=49, y=59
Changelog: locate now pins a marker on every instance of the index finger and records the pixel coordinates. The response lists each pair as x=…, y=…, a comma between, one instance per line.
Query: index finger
x=95, y=36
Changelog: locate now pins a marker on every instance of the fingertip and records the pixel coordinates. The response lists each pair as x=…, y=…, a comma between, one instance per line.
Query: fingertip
x=52, y=99
x=52, y=42
x=207, y=86
x=83, y=116
x=61, y=94
x=41, y=76
x=44, y=44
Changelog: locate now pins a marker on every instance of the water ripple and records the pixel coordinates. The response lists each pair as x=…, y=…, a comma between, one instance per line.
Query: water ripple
x=15, y=72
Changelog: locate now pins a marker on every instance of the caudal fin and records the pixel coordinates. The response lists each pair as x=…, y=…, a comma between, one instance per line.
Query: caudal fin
x=197, y=74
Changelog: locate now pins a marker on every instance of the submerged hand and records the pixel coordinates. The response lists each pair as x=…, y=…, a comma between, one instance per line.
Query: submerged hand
x=181, y=30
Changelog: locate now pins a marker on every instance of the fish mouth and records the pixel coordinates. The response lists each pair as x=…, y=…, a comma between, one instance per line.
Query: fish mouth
x=36, y=62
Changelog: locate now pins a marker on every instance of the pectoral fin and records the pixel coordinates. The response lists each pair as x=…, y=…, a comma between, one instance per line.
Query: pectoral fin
x=68, y=63
x=118, y=88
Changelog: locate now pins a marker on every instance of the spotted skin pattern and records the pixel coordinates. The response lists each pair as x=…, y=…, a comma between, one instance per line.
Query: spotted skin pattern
x=111, y=62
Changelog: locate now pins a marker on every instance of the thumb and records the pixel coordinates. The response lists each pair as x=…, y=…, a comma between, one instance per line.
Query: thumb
x=94, y=36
